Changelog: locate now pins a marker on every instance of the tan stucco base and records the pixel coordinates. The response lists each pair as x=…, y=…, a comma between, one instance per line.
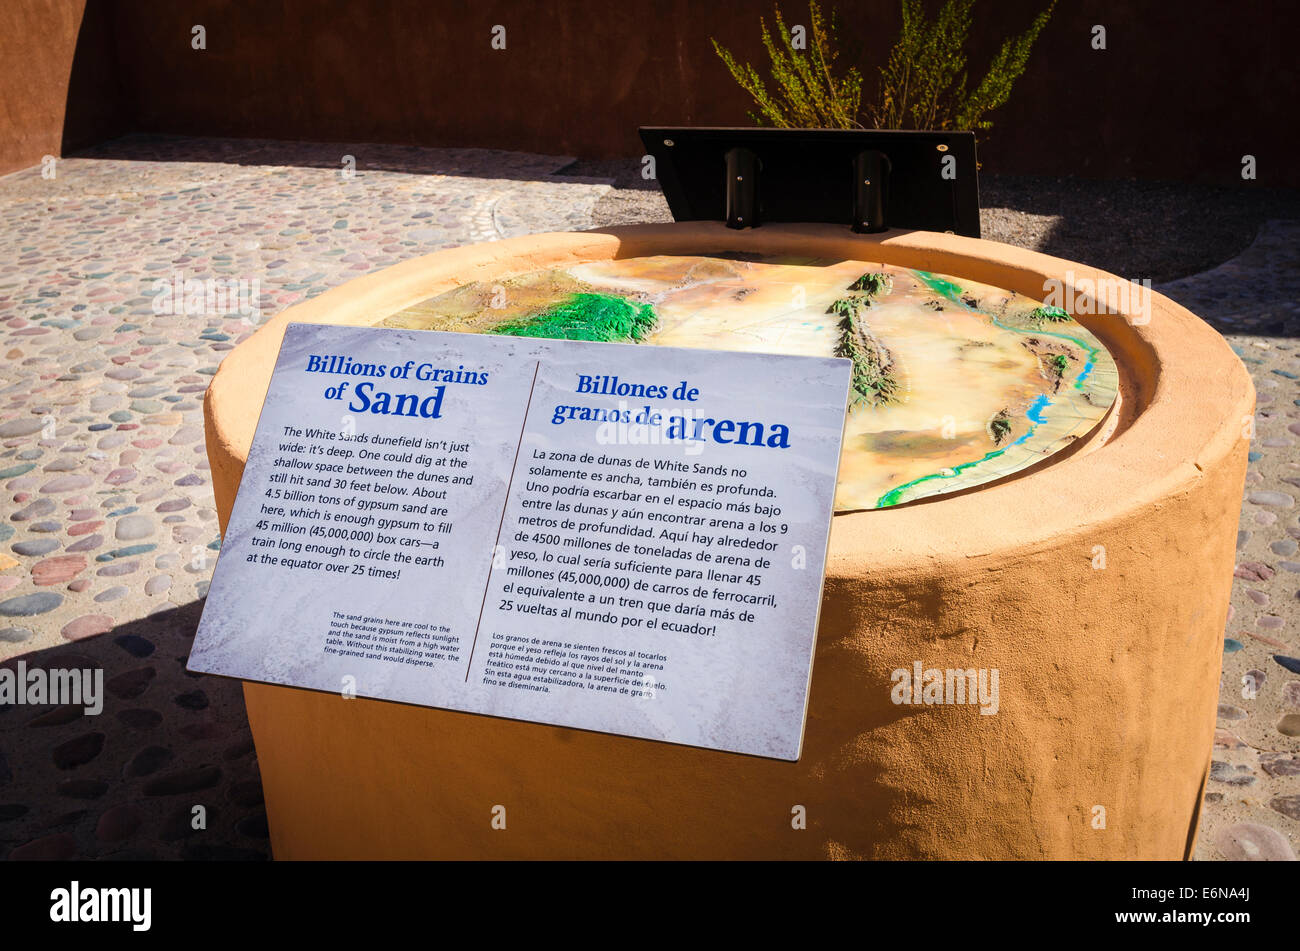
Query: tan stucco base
x=1108, y=675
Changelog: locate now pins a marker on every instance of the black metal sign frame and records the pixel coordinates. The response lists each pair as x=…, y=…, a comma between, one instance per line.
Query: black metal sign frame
x=870, y=179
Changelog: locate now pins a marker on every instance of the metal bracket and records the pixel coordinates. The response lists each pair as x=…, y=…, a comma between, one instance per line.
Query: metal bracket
x=870, y=192
x=742, y=188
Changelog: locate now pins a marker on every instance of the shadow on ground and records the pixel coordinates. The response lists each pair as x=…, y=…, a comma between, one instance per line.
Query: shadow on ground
x=1157, y=231
x=124, y=784
x=410, y=159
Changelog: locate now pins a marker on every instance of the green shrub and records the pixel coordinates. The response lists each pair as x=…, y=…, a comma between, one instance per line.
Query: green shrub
x=923, y=84
x=809, y=95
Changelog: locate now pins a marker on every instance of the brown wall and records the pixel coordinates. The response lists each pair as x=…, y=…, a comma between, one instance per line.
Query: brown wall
x=1176, y=95
x=37, y=40
x=58, y=79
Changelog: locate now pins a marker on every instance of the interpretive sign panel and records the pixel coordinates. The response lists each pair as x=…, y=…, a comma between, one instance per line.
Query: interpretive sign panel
x=603, y=536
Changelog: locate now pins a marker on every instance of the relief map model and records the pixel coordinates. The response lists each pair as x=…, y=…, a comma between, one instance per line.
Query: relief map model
x=954, y=383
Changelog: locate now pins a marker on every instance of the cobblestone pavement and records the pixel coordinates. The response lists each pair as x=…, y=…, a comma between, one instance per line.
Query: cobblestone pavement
x=1252, y=803
x=107, y=530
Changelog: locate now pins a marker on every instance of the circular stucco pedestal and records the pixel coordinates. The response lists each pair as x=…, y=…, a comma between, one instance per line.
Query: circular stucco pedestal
x=1109, y=676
